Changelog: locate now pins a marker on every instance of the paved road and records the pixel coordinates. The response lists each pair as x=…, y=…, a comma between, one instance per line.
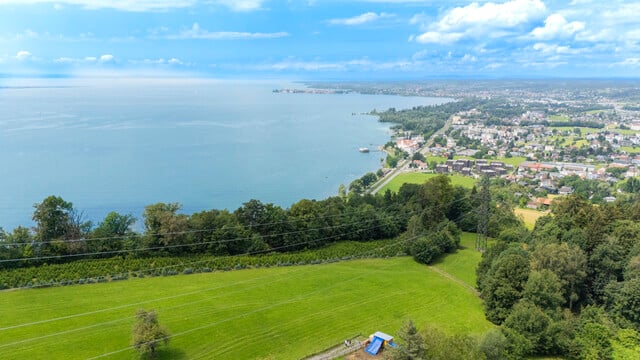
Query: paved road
x=404, y=165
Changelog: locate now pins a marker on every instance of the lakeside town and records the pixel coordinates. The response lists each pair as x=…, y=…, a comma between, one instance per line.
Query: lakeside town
x=544, y=139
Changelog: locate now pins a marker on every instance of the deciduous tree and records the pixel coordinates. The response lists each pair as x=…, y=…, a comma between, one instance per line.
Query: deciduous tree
x=147, y=334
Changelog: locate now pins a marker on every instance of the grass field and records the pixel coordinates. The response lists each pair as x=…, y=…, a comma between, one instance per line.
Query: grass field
x=436, y=159
x=515, y=161
x=529, y=216
x=630, y=149
x=583, y=130
x=420, y=178
x=559, y=118
x=275, y=313
x=463, y=263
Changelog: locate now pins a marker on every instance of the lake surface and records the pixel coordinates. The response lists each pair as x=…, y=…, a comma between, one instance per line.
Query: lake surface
x=123, y=144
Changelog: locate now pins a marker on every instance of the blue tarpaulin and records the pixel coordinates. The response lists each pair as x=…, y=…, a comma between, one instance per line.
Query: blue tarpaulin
x=375, y=346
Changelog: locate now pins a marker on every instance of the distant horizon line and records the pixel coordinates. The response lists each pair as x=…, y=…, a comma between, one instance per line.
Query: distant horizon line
x=295, y=78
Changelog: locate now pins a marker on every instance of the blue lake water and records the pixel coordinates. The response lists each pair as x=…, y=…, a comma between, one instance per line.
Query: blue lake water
x=122, y=144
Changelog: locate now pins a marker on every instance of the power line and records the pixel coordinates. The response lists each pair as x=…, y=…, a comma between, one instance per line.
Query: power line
x=406, y=240
x=175, y=245
x=114, y=252
x=228, y=256
x=144, y=302
x=181, y=305
x=183, y=232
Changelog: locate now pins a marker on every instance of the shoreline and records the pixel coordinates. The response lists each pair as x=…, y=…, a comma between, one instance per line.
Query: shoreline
x=100, y=184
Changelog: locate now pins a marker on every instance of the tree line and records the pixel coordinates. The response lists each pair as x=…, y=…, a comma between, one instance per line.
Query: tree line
x=61, y=235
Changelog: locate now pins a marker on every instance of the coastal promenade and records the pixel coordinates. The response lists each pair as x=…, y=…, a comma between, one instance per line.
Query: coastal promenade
x=403, y=167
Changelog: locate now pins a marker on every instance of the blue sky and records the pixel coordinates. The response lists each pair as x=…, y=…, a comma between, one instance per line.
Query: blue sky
x=320, y=39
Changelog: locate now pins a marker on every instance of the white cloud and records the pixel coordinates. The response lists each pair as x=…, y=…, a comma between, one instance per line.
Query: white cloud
x=493, y=66
x=436, y=37
x=623, y=14
x=23, y=55
x=556, y=49
x=198, y=33
x=175, y=61
x=420, y=55
x=469, y=58
x=629, y=62
x=360, y=19
x=580, y=2
x=505, y=15
x=482, y=20
x=242, y=5
x=604, y=35
x=106, y=58
x=142, y=5
x=556, y=26
x=365, y=64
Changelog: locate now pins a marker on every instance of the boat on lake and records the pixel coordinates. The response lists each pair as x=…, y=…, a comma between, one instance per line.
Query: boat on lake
x=363, y=150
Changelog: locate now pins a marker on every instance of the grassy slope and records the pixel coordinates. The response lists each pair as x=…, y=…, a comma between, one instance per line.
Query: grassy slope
x=420, y=178
x=279, y=313
x=529, y=216
x=463, y=263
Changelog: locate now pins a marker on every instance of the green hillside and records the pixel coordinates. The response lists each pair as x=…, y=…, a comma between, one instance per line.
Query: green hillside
x=279, y=313
x=420, y=178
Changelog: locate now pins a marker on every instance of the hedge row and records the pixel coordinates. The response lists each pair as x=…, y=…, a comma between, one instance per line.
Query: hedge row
x=122, y=268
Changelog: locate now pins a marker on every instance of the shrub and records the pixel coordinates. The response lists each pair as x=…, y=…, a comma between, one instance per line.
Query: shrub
x=424, y=250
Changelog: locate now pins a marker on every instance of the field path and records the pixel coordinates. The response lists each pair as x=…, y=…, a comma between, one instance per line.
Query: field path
x=338, y=351
x=455, y=279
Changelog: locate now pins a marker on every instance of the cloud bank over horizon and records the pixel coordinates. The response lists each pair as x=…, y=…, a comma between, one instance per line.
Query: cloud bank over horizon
x=321, y=39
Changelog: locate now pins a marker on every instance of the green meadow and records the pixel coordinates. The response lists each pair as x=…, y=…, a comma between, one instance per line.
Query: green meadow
x=464, y=262
x=266, y=313
x=420, y=178
x=631, y=150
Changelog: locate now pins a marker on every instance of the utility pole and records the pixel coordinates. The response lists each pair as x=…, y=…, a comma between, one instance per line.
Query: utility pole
x=484, y=197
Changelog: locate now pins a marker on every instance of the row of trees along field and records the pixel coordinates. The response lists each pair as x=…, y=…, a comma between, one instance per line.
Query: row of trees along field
x=424, y=220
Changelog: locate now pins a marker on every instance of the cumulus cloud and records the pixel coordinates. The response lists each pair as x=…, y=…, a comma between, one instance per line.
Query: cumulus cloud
x=196, y=32
x=23, y=55
x=556, y=26
x=506, y=15
x=367, y=17
x=489, y=18
x=106, y=58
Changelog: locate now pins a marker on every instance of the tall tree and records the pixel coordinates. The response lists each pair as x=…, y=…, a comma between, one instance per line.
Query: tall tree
x=504, y=284
x=569, y=263
x=164, y=227
x=53, y=217
x=412, y=346
x=112, y=233
x=57, y=222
